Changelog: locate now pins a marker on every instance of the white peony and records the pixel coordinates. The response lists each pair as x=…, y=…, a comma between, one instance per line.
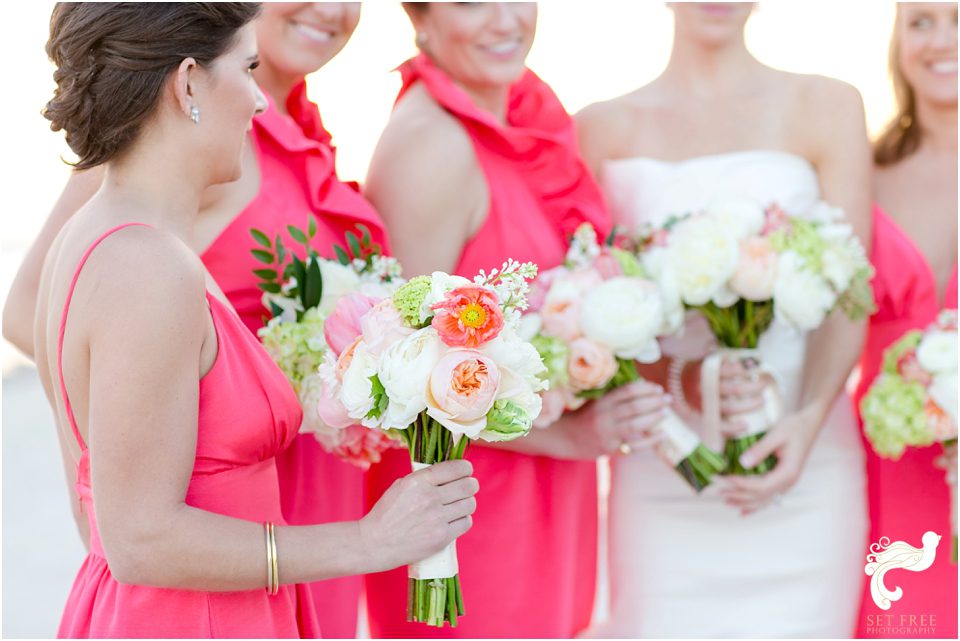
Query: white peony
x=404, y=372
x=800, y=297
x=624, y=314
x=740, y=217
x=703, y=255
x=824, y=213
x=656, y=264
x=529, y=326
x=943, y=391
x=522, y=358
x=338, y=280
x=356, y=392
x=937, y=352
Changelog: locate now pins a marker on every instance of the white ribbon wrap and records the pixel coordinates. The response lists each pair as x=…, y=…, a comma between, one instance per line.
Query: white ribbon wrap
x=758, y=420
x=679, y=440
x=443, y=564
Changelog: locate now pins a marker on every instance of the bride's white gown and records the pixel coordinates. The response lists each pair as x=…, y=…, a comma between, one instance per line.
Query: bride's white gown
x=683, y=565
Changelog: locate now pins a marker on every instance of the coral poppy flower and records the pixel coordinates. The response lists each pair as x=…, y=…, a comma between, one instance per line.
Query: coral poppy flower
x=468, y=317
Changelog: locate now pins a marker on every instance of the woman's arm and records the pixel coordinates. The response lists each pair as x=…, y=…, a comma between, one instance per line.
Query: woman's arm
x=21, y=301
x=145, y=363
x=832, y=118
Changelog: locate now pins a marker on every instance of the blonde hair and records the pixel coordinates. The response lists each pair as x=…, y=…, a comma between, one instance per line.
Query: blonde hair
x=901, y=136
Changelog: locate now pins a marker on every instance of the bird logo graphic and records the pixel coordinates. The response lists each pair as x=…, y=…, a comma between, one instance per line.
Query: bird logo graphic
x=899, y=555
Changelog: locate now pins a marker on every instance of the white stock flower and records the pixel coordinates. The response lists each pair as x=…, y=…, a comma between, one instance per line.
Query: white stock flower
x=625, y=314
x=338, y=280
x=356, y=391
x=703, y=255
x=937, y=352
x=404, y=372
x=800, y=297
x=740, y=217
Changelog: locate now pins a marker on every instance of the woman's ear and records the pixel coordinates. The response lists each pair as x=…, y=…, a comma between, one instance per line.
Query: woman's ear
x=184, y=90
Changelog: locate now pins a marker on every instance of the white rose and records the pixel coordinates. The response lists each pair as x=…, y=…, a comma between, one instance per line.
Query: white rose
x=937, y=352
x=440, y=284
x=625, y=315
x=509, y=352
x=338, y=280
x=740, y=217
x=800, y=297
x=943, y=391
x=703, y=254
x=356, y=391
x=404, y=372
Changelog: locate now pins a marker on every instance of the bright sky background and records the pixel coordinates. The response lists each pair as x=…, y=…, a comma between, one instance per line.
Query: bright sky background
x=587, y=50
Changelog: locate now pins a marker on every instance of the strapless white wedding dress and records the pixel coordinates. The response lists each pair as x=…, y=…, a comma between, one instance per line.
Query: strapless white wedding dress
x=683, y=565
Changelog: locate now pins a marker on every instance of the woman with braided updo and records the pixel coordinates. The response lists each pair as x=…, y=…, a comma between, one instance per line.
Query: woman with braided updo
x=172, y=411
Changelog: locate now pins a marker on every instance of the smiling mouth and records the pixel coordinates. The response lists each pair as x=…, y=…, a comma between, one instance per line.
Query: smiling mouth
x=943, y=67
x=507, y=48
x=313, y=34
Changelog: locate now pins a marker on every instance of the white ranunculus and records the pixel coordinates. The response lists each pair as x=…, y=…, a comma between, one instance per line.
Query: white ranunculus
x=356, y=390
x=943, y=391
x=937, y=352
x=703, y=254
x=740, y=217
x=404, y=372
x=800, y=297
x=625, y=314
x=440, y=284
x=338, y=280
x=509, y=352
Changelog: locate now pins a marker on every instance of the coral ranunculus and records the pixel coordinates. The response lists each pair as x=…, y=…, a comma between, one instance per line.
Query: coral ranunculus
x=468, y=317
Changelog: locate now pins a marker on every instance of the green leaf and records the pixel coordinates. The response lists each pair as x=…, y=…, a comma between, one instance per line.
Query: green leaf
x=272, y=288
x=281, y=250
x=266, y=274
x=260, y=237
x=263, y=256
x=288, y=271
x=376, y=249
x=312, y=227
x=342, y=255
x=313, y=287
x=380, y=398
x=275, y=309
x=300, y=272
x=611, y=236
x=297, y=234
x=366, y=234
x=354, y=244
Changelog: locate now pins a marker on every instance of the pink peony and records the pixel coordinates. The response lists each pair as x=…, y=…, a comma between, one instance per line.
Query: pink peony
x=541, y=286
x=362, y=446
x=756, y=271
x=461, y=390
x=561, y=309
x=382, y=326
x=343, y=325
x=591, y=365
x=468, y=316
x=607, y=266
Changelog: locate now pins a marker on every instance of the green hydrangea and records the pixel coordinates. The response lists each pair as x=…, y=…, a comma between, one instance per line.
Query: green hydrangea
x=802, y=239
x=297, y=348
x=628, y=263
x=408, y=299
x=893, y=416
x=506, y=421
x=891, y=356
x=555, y=354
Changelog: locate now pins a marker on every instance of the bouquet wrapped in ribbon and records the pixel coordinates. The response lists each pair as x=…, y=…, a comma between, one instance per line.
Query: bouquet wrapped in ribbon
x=300, y=294
x=913, y=401
x=742, y=265
x=592, y=319
x=439, y=363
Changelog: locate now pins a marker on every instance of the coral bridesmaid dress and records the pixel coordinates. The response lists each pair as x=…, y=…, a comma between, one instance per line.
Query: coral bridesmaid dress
x=528, y=565
x=297, y=178
x=906, y=497
x=247, y=415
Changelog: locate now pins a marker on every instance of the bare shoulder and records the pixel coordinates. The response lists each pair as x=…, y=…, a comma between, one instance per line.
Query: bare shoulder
x=614, y=128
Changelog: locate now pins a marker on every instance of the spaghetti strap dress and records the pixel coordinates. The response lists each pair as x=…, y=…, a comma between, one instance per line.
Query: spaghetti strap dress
x=906, y=497
x=528, y=565
x=298, y=178
x=247, y=415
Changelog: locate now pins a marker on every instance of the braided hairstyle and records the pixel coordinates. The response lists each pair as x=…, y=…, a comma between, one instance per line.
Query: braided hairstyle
x=113, y=59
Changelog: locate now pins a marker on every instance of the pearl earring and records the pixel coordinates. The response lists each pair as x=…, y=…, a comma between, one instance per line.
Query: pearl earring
x=421, y=38
x=195, y=114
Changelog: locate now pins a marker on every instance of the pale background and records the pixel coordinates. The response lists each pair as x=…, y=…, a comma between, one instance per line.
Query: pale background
x=587, y=51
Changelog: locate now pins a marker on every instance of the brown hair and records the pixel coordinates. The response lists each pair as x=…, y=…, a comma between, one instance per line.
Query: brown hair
x=901, y=136
x=113, y=59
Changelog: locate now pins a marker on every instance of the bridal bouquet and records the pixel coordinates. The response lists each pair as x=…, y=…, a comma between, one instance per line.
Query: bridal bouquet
x=438, y=363
x=592, y=319
x=741, y=266
x=913, y=401
x=301, y=294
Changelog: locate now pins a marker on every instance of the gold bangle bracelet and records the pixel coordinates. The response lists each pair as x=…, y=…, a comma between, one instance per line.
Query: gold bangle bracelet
x=275, y=588
x=266, y=535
